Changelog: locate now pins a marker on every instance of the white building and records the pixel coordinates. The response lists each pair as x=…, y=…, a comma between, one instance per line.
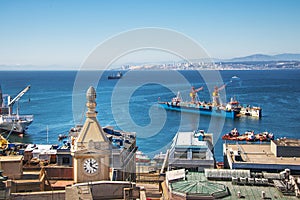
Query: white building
x=192, y=151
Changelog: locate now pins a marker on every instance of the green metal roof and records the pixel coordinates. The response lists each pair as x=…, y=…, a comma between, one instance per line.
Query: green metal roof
x=196, y=184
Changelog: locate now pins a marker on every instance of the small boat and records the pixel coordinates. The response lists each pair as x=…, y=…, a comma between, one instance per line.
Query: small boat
x=253, y=111
x=264, y=136
x=245, y=110
x=115, y=76
x=61, y=137
x=249, y=136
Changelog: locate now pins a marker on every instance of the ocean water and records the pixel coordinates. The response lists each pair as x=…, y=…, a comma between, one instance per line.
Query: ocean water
x=131, y=103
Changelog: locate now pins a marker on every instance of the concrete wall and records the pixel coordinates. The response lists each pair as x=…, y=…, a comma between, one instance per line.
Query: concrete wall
x=21, y=186
x=266, y=167
x=12, y=169
x=109, y=191
x=4, y=194
x=285, y=151
x=124, y=162
x=100, y=190
x=63, y=154
x=274, y=148
x=288, y=151
x=78, y=193
x=62, y=173
x=49, y=195
x=191, y=164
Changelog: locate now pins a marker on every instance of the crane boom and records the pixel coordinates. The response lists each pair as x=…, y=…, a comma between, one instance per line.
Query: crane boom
x=11, y=103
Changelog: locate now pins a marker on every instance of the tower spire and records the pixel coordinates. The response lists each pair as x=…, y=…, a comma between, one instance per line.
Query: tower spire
x=91, y=102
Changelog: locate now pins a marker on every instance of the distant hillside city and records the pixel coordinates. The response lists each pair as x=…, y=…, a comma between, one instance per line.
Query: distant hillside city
x=252, y=62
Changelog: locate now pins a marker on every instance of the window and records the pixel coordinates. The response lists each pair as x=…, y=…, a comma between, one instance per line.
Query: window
x=66, y=160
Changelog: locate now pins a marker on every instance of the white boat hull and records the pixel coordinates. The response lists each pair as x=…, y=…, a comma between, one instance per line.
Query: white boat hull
x=15, y=123
x=253, y=111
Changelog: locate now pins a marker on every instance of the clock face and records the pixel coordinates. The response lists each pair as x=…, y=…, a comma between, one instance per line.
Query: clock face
x=90, y=165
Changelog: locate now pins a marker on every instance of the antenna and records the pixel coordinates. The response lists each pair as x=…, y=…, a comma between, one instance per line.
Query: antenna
x=47, y=133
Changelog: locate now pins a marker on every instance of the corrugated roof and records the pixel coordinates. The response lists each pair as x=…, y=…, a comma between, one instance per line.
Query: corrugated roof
x=196, y=184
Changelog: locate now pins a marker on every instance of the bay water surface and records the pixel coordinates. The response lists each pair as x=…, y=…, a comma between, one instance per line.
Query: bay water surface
x=130, y=103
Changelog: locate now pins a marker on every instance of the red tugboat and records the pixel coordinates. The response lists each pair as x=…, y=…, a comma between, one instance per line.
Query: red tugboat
x=248, y=136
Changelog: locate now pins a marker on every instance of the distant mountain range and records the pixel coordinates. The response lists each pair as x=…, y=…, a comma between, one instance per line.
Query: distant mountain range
x=264, y=57
x=253, y=58
x=285, y=59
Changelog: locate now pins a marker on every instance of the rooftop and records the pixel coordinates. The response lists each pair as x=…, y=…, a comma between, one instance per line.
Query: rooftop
x=41, y=147
x=245, y=191
x=192, y=139
x=287, y=142
x=253, y=192
x=259, y=153
x=197, y=184
x=11, y=158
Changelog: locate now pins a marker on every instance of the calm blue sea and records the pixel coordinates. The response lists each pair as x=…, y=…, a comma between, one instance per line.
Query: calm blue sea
x=131, y=103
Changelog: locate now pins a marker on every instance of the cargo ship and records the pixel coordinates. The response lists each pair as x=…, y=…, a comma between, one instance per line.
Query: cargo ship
x=231, y=110
x=13, y=122
x=119, y=75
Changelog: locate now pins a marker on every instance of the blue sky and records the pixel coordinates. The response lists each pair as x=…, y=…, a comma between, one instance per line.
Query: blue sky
x=63, y=33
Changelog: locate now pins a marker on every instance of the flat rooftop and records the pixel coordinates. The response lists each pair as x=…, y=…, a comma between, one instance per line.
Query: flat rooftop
x=287, y=142
x=190, y=139
x=11, y=158
x=259, y=154
x=253, y=192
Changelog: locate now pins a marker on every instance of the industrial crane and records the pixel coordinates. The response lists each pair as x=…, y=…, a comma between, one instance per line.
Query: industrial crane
x=16, y=99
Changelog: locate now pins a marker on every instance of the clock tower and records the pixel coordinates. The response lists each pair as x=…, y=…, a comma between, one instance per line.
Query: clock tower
x=91, y=150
